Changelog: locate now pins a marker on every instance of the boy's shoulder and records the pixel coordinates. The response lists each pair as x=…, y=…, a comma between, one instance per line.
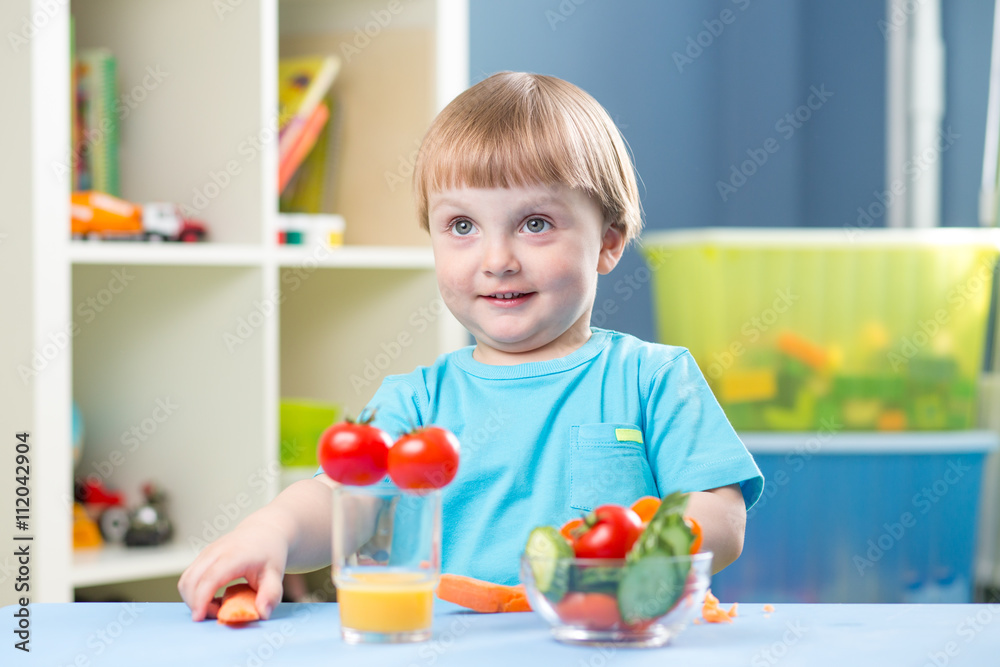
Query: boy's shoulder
x=652, y=356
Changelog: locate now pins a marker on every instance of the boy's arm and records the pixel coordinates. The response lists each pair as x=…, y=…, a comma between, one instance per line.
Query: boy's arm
x=291, y=532
x=722, y=515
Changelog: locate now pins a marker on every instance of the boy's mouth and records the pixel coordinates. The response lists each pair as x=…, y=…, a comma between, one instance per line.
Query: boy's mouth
x=508, y=298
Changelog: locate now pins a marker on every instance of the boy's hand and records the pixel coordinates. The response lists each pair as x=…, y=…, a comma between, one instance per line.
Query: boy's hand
x=252, y=551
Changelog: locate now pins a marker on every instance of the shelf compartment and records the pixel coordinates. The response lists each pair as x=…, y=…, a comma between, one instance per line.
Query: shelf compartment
x=181, y=140
x=343, y=331
x=169, y=368
x=387, y=91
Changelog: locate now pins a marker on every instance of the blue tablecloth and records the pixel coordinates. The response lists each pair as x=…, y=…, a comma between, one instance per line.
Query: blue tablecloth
x=91, y=634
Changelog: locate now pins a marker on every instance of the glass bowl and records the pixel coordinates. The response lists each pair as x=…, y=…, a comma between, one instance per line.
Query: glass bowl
x=602, y=601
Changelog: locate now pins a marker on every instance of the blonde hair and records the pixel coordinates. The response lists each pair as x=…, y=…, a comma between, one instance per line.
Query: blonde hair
x=515, y=129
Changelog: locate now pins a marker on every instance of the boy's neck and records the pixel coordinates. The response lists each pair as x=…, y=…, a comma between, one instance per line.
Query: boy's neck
x=570, y=341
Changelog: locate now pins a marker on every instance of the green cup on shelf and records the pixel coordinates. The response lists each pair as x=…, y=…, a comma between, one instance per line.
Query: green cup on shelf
x=302, y=422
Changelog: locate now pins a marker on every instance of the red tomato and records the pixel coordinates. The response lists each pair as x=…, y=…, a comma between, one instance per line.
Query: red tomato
x=594, y=611
x=426, y=458
x=354, y=454
x=612, y=532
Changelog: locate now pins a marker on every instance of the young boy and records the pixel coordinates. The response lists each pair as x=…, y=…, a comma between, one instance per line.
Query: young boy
x=528, y=193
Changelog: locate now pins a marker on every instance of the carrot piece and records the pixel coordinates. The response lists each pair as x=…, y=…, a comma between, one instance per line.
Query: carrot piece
x=768, y=608
x=568, y=528
x=716, y=615
x=646, y=507
x=238, y=605
x=713, y=613
x=804, y=350
x=482, y=596
x=696, y=532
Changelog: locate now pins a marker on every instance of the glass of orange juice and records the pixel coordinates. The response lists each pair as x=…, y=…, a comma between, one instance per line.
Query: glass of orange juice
x=386, y=547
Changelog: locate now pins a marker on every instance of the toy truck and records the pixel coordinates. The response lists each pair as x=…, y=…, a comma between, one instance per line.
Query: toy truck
x=103, y=216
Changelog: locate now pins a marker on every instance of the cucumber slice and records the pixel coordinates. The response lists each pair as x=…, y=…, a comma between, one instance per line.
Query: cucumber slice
x=549, y=555
x=650, y=587
x=597, y=580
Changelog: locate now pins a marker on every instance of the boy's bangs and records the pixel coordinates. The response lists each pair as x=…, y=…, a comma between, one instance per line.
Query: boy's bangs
x=505, y=157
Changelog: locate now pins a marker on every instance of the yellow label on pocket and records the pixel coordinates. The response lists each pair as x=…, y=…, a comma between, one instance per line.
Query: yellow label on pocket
x=628, y=435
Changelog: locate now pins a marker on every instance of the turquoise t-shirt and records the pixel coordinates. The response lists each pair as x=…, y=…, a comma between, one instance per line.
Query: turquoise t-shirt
x=542, y=442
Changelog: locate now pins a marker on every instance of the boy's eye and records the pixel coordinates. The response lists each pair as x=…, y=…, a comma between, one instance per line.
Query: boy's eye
x=462, y=228
x=536, y=225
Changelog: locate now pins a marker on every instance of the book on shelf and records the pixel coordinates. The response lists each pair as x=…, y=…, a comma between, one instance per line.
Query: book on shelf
x=289, y=162
x=303, y=83
x=310, y=188
x=97, y=132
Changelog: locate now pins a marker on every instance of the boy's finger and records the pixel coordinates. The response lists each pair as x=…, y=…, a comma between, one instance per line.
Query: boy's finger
x=212, y=611
x=268, y=593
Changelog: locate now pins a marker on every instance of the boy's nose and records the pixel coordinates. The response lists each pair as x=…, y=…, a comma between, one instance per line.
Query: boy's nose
x=499, y=259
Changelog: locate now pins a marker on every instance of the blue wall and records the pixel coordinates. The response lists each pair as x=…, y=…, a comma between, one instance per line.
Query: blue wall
x=691, y=111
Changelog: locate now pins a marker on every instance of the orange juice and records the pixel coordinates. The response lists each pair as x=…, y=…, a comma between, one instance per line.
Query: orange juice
x=386, y=601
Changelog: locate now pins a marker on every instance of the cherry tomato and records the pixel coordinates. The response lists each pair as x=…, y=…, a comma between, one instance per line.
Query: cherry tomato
x=426, y=458
x=612, y=530
x=354, y=453
x=594, y=611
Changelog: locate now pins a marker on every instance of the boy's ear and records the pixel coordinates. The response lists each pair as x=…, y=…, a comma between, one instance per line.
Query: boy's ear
x=612, y=247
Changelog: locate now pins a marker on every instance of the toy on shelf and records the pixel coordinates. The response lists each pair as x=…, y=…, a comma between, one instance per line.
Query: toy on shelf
x=97, y=215
x=101, y=516
x=85, y=532
x=149, y=524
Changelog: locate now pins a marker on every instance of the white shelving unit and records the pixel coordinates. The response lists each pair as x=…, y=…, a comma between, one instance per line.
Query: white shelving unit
x=177, y=355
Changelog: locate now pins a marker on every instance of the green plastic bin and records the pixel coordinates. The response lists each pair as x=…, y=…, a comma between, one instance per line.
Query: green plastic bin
x=804, y=329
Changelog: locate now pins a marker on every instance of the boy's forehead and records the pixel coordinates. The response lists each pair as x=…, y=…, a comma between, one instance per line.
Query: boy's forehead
x=538, y=193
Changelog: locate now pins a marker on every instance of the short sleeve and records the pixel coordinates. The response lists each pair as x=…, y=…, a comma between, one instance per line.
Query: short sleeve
x=397, y=408
x=690, y=443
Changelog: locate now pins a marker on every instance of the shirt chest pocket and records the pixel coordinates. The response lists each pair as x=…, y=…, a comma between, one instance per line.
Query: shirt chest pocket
x=609, y=465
